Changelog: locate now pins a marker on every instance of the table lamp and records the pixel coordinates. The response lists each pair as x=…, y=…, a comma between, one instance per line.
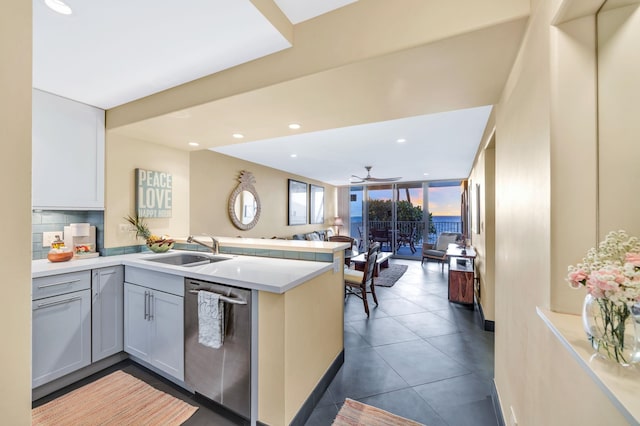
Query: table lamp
x=337, y=222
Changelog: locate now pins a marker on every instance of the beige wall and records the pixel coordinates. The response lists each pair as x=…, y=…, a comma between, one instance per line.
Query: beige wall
x=545, y=219
x=202, y=184
x=213, y=178
x=483, y=174
x=573, y=154
x=15, y=122
x=123, y=155
x=619, y=119
x=298, y=340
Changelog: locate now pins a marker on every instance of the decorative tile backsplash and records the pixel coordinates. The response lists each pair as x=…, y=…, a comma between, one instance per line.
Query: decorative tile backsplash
x=56, y=220
x=245, y=251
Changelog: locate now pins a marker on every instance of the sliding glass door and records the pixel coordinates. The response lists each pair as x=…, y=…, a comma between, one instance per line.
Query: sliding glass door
x=444, y=206
x=390, y=214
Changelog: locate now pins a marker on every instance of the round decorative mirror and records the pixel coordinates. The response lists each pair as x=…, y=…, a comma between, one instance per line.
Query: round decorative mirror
x=244, y=203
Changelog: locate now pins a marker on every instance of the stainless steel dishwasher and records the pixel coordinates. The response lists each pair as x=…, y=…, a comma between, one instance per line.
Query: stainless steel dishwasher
x=223, y=375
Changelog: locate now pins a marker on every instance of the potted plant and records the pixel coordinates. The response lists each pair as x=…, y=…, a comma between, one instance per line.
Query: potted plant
x=155, y=243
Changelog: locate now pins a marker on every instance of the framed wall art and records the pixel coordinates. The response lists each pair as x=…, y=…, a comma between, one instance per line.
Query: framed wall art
x=476, y=223
x=316, y=204
x=154, y=193
x=297, y=203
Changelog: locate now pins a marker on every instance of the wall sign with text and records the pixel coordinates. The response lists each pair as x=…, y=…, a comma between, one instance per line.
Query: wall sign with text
x=154, y=194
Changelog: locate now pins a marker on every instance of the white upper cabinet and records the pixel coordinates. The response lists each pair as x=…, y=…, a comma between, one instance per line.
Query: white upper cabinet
x=68, y=154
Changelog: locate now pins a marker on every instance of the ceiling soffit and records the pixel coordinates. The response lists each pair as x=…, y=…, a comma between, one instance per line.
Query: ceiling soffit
x=359, y=31
x=460, y=72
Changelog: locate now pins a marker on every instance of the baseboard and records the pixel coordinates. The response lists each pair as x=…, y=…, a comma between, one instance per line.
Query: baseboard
x=307, y=407
x=161, y=373
x=488, y=325
x=496, y=404
x=71, y=378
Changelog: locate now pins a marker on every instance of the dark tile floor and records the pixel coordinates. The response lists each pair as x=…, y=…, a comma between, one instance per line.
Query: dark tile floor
x=418, y=355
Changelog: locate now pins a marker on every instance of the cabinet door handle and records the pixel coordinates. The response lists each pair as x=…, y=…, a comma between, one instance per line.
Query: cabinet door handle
x=59, y=302
x=146, y=305
x=151, y=306
x=60, y=283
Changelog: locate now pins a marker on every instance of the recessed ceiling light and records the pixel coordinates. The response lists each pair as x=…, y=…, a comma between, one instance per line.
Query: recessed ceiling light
x=401, y=140
x=194, y=144
x=59, y=6
x=426, y=174
x=238, y=135
x=293, y=155
x=294, y=126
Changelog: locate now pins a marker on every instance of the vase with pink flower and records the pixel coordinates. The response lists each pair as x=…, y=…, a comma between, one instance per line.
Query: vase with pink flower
x=611, y=313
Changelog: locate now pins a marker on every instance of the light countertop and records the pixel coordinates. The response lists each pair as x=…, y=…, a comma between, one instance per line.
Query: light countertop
x=618, y=383
x=273, y=244
x=257, y=273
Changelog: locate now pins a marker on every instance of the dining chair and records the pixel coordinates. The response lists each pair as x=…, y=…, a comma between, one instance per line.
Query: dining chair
x=348, y=252
x=360, y=283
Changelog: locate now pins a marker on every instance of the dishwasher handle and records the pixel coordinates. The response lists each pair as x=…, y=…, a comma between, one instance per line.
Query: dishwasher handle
x=223, y=298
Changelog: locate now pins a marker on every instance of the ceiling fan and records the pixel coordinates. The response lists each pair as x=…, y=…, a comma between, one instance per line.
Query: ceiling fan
x=369, y=178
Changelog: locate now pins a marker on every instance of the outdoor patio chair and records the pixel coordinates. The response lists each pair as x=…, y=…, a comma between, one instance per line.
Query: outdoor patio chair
x=360, y=283
x=381, y=236
x=408, y=239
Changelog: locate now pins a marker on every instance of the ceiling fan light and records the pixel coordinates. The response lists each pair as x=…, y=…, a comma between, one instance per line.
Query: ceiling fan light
x=59, y=7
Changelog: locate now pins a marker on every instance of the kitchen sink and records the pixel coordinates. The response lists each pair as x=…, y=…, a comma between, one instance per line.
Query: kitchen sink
x=187, y=259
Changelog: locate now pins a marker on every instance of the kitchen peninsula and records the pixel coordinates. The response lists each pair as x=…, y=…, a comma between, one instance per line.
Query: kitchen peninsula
x=297, y=313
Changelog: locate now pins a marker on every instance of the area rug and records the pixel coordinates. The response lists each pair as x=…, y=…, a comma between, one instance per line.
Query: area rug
x=389, y=276
x=354, y=413
x=116, y=399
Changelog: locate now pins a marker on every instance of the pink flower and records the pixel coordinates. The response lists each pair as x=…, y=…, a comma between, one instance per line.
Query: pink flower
x=607, y=279
x=633, y=258
x=577, y=278
x=595, y=291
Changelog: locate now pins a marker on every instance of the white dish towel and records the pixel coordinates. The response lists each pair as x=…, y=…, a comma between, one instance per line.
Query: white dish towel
x=210, y=319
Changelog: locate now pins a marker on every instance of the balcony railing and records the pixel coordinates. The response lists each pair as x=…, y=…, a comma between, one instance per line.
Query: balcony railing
x=405, y=226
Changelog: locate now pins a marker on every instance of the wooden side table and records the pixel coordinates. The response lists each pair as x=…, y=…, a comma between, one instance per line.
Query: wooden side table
x=461, y=280
x=461, y=274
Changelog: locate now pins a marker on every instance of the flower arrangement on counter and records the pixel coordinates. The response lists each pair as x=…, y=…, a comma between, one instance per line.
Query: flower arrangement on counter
x=157, y=244
x=611, y=275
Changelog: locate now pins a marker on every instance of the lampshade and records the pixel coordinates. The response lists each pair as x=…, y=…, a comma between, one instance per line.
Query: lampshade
x=337, y=221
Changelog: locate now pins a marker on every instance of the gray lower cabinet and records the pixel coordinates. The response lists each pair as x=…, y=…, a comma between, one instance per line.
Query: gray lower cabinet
x=153, y=328
x=61, y=325
x=107, y=306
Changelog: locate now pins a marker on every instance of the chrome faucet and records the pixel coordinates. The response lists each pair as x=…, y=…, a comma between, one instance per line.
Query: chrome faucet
x=214, y=247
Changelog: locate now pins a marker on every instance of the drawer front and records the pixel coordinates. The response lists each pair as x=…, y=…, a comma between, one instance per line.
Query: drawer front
x=173, y=284
x=54, y=285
